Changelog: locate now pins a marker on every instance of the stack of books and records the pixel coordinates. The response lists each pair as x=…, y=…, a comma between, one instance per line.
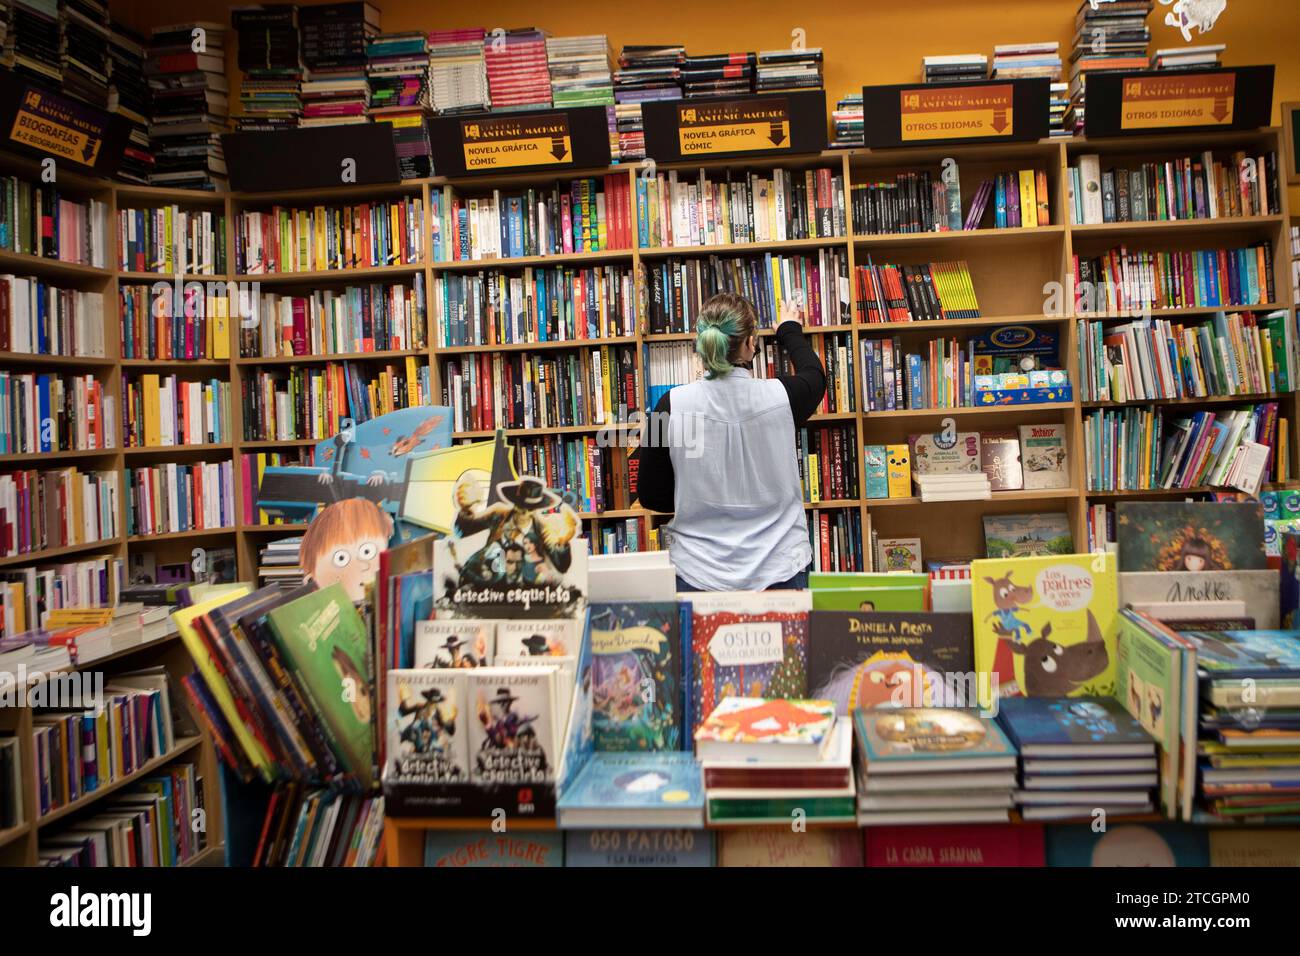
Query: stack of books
x=83, y=51
x=579, y=70
x=955, y=68
x=334, y=38
x=1014, y=61
x=517, y=74
x=1079, y=755
x=970, y=486
x=722, y=74
x=6, y=61
x=789, y=70
x=767, y=760
x=1208, y=56
x=457, y=75
x=271, y=86
x=1249, y=744
x=128, y=97
x=277, y=563
x=932, y=765
x=645, y=790
x=847, y=118
x=1108, y=37
x=34, y=37
x=189, y=106
x=398, y=71
x=645, y=74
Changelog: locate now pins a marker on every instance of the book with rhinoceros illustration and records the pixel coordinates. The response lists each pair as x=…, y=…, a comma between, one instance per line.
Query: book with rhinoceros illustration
x=1045, y=626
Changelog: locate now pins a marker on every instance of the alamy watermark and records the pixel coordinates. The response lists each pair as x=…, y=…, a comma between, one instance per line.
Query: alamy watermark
x=61, y=690
x=171, y=297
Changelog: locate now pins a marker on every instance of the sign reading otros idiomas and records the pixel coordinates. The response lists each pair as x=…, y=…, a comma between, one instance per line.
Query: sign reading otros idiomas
x=956, y=112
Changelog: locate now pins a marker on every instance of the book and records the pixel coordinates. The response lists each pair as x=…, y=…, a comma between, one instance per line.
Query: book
x=930, y=740
x=1044, y=456
x=742, y=641
x=986, y=845
x=774, y=729
x=876, y=659
x=512, y=736
x=776, y=846
x=1058, y=609
x=898, y=470
x=1023, y=536
x=638, y=848
x=899, y=554
x=638, y=695
x=834, y=771
x=634, y=790
x=1241, y=654
x=1128, y=844
x=538, y=638
x=1087, y=727
x=863, y=591
x=453, y=644
x=1190, y=536
x=458, y=848
x=1000, y=459
x=940, y=455
x=426, y=725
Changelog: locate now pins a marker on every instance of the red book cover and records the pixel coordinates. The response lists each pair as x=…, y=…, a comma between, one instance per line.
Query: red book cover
x=983, y=845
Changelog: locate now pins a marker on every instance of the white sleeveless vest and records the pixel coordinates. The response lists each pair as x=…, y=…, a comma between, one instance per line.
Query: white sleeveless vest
x=738, y=520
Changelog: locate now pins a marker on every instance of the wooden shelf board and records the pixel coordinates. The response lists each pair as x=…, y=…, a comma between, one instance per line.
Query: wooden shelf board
x=741, y=248
x=329, y=275
x=261, y=443
x=175, y=363
x=36, y=676
x=70, y=455
x=973, y=410
x=1185, y=310
x=524, y=262
x=848, y=327
x=1191, y=400
x=1123, y=230
x=534, y=432
x=535, y=346
x=59, y=361
x=183, y=746
x=960, y=237
x=981, y=322
x=32, y=557
x=833, y=417
x=178, y=449
x=323, y=357
x=14, y=833
x=832, y=503
x=23, y=264
x=170, y=277
x=1199, y=489
x=167, y=196
x=273, y=528
x=1039, y=494
x=175, y=535
x=467, y=823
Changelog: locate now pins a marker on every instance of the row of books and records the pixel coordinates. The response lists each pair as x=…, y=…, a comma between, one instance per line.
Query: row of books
x=520, y=390
x=365, y=235
x=45, y=510
x=270, y=66
x=588, y=215
x=915, y=293
x=253, y=465
x=1125, y=282
x=720, y=208
x=1031, y=457
x=624, y=536
x=596, y=475
x=171, y=321
x=1230, y=354
x=321, y=827
x=313, y=402
x=38, y=318
x=836, y=539
x=836, y=354
x=1177, y=189
x=555, y=304
x=278, y=563
x=164, y=499
x=50, y=412
x=1139, y=448
x=147, y=825
x=517, y=72
x=36, y=220
x=827, y=456
x=170, y=240
x=161, y=410
x=368, y=318
x=27, y=594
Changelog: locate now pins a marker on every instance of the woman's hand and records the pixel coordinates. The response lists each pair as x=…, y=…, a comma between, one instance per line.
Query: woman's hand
x=790, y=312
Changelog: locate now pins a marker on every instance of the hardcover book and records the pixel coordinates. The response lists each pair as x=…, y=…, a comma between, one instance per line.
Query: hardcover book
x=457, y=848
x=773, y=846
x=864, y=660
x=928, y=739
x=636, y=683
x=1221, y=654
x=747, y=644
x=1258, y=590
x=635, y=790
x=512, y=733
x=899, y=554
x=453, y=644
x=1190, y=536
x=898, y=471
x=427, y=734
x=1128, y=844
x=1000, y=460
x=987, y=845
x=1027, y=536
x=856, y=591
x=777, y=726
x=1045, y=627
x=537, y=638
x=876, y=473
x=636, y=848
x=939, y=455
x=1064, y=727
x=1044, y=457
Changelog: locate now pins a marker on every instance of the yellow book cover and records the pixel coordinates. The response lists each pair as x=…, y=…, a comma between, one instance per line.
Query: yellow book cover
x=814, y=480
x=321, y=260
x=62, y=617
x=1046, y=626
x=18, y=596
x=1028, y=200
x=898, y=465
x=152, y=425
x=1044, y=199
x=219, y=347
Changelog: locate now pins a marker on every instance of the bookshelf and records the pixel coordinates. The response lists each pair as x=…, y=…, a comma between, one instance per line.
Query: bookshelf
x=1009, y=267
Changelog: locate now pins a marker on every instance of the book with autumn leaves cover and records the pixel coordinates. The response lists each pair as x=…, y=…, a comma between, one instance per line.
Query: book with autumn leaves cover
x=745, y=644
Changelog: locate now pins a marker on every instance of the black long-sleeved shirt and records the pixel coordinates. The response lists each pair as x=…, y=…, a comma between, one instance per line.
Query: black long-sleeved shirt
x=805, y=388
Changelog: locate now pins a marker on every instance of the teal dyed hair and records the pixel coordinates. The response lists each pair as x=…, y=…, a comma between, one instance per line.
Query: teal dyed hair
x=725, y=322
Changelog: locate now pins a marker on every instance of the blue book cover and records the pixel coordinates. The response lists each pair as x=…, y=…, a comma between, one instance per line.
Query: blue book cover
x=637, y=781
x=638, y=848
x=1137, y=845
x=877, y=480
x=923, y=734
x=1246, y=653
x=44, y=435
x=636, y=676
x=916, y=381
x=1064, y=721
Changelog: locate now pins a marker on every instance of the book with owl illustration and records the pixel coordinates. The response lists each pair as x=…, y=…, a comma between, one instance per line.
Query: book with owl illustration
x=636, y=676
x=426, y=725
x=745, y=644
x=512, y=736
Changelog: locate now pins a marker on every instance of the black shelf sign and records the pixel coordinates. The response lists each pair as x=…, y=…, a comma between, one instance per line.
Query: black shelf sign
x=486, y=143
x=49, y=124
x=934, y=114
x=684, y=130
x=1179, y=101
x=313, y=158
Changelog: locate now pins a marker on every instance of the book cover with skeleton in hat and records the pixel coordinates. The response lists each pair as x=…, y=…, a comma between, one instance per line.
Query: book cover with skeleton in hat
x=453, y=644
x=427, y=725
x=512, y=735
x=537, y=638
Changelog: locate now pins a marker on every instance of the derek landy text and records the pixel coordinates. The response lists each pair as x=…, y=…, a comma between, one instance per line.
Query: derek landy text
x=76, y=909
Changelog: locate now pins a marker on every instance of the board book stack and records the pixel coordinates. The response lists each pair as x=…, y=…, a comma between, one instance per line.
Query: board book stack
x=1078, y=755
x=932, y=765
x=766, y=760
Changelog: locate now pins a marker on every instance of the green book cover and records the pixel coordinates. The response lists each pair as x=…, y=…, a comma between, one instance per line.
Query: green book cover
x=908, y=598
x=782, y=809
x=323, y=640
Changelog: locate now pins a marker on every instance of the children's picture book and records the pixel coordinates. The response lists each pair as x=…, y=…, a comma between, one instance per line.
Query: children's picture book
x=1045, y=626
x=1027, y=536
x=899, y=554
x=1128, y=844
x=1190, y=536
x=984, y=845
x=1079, y=726
x=880, y=659
x=635, y=790
x=745, y=644
x=1000, y=459
x=774, y=724
x=636, y=677
x=638, y=848
x=942, y=454
x=460, y=848
x=426, y=729
x=898, y=471
x=778, y=846
x=1247, y=653
x=874, y=463
x=512, y=735
x=1044, y=457
x=1258, y=590
x=919, y=739
x=554, y=637
x=325, y=643
x=858, y=591
x=454, y=644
